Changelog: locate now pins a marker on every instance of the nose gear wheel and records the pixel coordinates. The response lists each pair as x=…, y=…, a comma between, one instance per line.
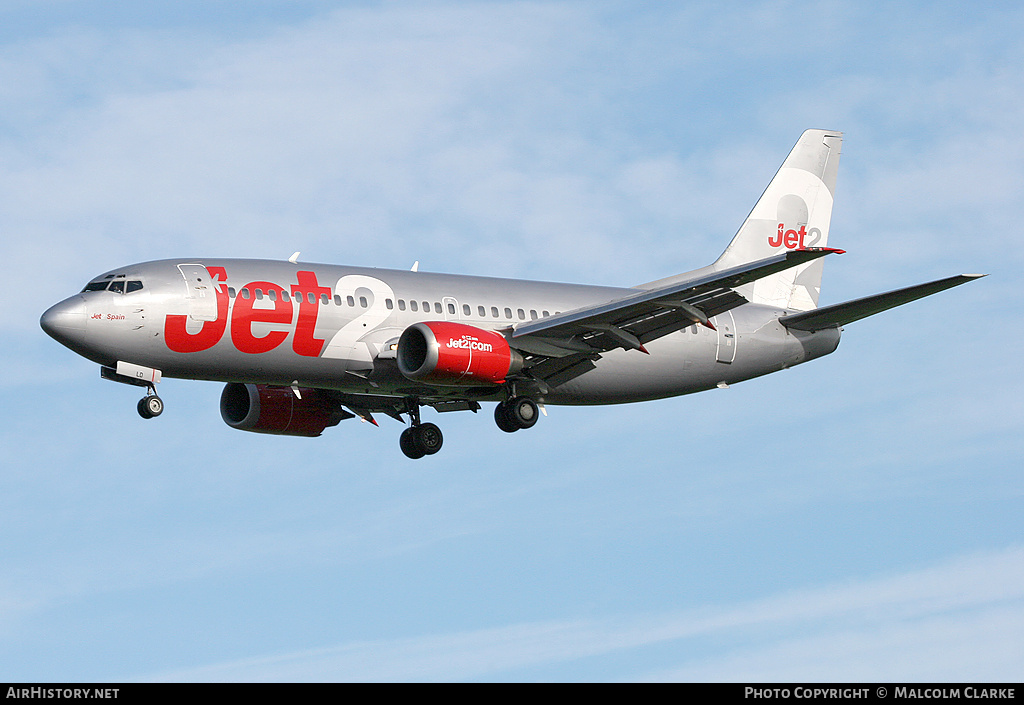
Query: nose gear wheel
x=150, y=406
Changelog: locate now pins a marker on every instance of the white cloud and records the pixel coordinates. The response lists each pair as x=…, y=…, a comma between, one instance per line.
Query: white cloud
x=960, y=620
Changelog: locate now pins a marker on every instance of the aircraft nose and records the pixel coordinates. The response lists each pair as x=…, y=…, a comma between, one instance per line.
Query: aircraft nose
x=65, y=322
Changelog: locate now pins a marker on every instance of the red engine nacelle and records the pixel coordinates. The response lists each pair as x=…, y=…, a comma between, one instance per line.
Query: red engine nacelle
x=441, y=352
x=261, y=408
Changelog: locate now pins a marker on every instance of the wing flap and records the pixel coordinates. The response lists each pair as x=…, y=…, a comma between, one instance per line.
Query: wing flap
x=636, y=319
x=850, y=311
x=559, y=370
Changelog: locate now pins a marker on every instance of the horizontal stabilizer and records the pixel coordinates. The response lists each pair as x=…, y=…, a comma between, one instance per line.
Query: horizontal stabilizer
x=841, y=314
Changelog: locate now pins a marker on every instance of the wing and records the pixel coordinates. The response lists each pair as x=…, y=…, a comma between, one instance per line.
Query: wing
x=560, y=347
x=647, y=315
x=841, y=314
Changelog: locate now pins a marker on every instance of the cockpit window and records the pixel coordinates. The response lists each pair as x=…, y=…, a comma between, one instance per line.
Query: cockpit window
x=119, y=286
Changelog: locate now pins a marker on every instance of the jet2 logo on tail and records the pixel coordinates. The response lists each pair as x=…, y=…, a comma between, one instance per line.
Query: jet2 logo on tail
x=794, y=239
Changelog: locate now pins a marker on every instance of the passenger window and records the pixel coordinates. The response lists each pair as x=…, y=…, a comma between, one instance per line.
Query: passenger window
x=389, y=304
x=351, y=301
x=521, y=313
x=284, y=296
x=231, y=292
x=259, y=294
x=508, y=313
x=481, y=311
x=337, y=299
x=466, y=310
x=272, y=294
x=451, y=309
x=494, y=311
x=325, y=299
x=362, y=301
x=401, y=304
x=437, y=307
x=533, y=315
x=117, y=287
x=134, y=286
x=414, y=306
x=426, y=307
x=545, y=314
x=245, y=293
x=311, y=297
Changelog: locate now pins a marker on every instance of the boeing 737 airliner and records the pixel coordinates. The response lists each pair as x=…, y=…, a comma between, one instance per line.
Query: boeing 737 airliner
x=305, y=346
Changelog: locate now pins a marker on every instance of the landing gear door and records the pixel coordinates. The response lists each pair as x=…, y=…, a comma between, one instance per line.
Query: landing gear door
x=726, y=326
x=202, y=296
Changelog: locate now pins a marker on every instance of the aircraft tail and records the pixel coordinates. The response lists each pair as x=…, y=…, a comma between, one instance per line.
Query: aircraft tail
x=793, y=212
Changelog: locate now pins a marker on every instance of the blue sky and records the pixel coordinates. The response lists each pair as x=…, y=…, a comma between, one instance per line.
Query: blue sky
x=856, y=518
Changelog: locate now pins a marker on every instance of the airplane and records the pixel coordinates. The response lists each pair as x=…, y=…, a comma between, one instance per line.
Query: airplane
x=302, y=347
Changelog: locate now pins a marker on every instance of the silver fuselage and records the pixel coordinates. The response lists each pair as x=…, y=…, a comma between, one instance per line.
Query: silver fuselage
x=335, y=339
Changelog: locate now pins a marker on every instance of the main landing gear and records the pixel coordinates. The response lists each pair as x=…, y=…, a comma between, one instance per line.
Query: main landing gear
x=515, y=413
x=420, y=438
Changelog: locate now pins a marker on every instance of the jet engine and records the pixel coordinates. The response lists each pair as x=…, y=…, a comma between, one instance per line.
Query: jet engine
x=446, y=353
x=262, y=408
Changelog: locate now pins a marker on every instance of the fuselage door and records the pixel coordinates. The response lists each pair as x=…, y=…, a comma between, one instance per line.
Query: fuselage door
x=451, y=308
x=726, y=326
x=200, y=291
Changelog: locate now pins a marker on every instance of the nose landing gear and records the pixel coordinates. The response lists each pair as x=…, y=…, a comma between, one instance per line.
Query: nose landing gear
x=150, y=406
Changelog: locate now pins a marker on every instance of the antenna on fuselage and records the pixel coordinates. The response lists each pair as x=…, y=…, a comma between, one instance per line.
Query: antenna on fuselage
x=294, y=258
x=415, y=266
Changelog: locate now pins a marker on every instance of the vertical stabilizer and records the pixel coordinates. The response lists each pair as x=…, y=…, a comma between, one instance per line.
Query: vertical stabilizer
x=793, y=212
